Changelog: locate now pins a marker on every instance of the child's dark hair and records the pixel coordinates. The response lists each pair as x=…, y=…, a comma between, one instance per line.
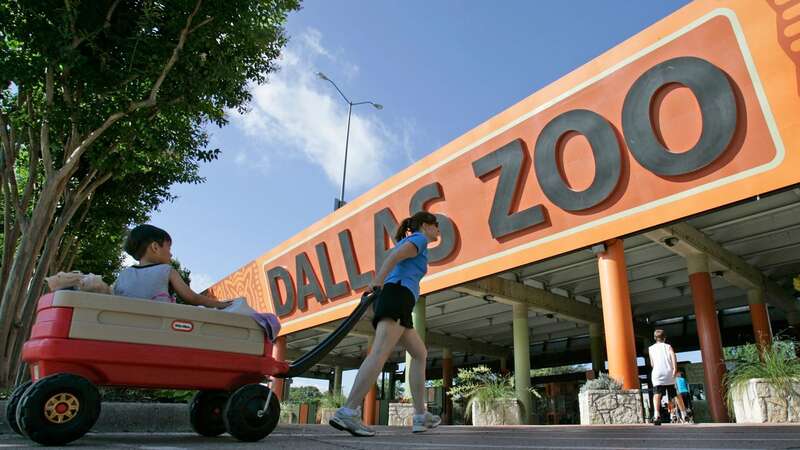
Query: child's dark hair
x=413, y=224
x=142, y=236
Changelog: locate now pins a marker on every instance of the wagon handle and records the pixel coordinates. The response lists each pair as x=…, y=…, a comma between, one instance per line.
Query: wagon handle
x=305, y=362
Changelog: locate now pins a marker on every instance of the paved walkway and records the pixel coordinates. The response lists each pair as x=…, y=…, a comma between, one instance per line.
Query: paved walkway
x=305, y=437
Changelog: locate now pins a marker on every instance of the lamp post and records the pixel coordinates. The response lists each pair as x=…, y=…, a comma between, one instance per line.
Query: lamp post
x=339, y=202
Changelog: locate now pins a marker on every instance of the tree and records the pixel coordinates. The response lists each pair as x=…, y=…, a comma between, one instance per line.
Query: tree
x=109, y=95
x=305, y=394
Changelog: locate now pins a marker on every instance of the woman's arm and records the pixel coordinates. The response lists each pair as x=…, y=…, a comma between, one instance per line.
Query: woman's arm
x=405, y=251
x=189, y=296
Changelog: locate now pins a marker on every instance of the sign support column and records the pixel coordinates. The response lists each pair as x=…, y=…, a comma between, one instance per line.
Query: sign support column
x=279, y=353
x=762, y=329
x=617, y=316
x=708, y=333
x=447, y=383
x=522, y=360
x=596, y=347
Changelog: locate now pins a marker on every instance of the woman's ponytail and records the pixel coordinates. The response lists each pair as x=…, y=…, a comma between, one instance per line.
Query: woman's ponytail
x=404, y=226
x=413, y=224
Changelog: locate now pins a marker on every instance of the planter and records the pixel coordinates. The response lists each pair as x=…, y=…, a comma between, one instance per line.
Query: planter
x=760, y=402
x=290, y=413
x=325, y=414
x=610, y=407
x=506, y=411
x=401, y=414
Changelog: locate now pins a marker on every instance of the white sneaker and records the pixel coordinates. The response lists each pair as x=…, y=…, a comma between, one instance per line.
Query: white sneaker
x=424, y=422
x=351, y=423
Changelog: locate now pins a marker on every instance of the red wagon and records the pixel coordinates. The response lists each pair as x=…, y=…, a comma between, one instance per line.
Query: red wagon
x=83, y=340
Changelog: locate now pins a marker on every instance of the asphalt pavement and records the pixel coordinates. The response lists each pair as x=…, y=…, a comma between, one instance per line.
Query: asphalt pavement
x=308, y=437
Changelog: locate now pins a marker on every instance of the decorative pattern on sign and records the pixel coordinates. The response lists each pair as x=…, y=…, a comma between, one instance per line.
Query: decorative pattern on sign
x=788, y=17
x=245, y=282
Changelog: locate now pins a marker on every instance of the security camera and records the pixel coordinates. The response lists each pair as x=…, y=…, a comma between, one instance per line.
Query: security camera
x=671, y=241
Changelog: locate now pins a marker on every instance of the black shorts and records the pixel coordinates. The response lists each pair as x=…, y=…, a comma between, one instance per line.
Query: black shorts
x=395, y=302
x=668, y=389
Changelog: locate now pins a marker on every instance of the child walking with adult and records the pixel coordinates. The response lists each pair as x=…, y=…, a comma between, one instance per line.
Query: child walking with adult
x=398, y=279
x=665, y=367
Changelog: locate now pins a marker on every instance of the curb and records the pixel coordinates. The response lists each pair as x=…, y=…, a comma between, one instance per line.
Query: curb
x=131, y=417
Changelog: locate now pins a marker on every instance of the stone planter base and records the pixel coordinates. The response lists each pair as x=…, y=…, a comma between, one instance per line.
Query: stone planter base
x=325, y=414
x=759, y=402
x=290, y=413
x=497, y=412
x=610, y=407
x=401, y=414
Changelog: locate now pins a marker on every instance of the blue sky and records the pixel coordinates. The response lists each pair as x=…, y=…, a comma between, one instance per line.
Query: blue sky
x=439, y=68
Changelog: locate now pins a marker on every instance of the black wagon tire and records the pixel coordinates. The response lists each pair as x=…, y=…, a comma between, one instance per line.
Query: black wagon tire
x=241, y=416
x=205, y=412
x=58, y=409
x=11, y=406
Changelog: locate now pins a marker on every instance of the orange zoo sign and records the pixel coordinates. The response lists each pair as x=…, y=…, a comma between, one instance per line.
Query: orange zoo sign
x=698, y=111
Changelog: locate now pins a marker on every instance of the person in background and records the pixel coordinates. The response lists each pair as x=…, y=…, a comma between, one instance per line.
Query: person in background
x=684, y=393
x=665, y=367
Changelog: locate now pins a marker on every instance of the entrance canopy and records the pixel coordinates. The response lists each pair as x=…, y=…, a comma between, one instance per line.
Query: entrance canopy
x=672, y=141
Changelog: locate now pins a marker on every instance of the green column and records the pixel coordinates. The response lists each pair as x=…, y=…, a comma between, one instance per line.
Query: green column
x=421, y=326
x=337, y=380
x=597, y=348
x=522, y=360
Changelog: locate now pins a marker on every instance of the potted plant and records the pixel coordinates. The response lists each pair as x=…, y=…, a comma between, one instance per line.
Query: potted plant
x=490, y=397
x=328, y=405
x=603, y=401
x=765, y=386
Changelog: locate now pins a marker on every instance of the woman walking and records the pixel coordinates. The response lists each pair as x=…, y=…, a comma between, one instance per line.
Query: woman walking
x=398, y=278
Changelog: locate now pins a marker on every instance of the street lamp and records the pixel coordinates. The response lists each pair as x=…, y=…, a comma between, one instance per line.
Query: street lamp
x=339, y=202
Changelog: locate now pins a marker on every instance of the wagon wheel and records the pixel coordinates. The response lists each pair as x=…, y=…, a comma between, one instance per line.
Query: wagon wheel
x=11, y=406
x=58, y=409
x=205, y=412
x=245, y=415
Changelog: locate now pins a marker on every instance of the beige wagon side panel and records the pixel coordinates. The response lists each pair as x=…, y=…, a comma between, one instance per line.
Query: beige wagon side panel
x=138, y=321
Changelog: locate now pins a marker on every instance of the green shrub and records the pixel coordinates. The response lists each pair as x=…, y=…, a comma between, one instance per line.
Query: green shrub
x=602, y=383
x=479, y=384
x=128, y=395
x=332, y=401
x=778, y=365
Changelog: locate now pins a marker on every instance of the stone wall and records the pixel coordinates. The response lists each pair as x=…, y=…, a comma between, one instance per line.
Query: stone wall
x=759, y=402
x=401, y=414
x=610, y=407
x=497, y=412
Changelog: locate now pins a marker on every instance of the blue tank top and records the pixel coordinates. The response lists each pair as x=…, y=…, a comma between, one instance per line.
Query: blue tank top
x=410, y=271
x=683, y=388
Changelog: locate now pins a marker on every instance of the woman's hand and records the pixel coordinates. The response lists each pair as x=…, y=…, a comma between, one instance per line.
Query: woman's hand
x=374, y=286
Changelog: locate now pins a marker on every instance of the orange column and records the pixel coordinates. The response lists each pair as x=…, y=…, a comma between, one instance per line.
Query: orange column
x=617, y=316
x=708, y=334
x=447, y=383
x=369, y=401
x=279, y=353
x=762, y=329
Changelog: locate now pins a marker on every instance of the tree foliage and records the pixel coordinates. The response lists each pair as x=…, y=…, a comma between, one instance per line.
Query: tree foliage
x=305, y=394
x=103, y=105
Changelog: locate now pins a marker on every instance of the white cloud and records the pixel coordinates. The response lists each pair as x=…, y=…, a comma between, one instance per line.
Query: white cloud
x=312, y=38
x=299, y=115
x=200, y=281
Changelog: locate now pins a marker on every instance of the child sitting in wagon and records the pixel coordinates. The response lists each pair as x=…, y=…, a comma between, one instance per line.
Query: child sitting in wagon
x=153, y=277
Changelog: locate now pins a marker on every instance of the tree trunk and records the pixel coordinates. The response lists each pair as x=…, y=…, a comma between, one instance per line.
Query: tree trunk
x=36, y=288
x=21, y=270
